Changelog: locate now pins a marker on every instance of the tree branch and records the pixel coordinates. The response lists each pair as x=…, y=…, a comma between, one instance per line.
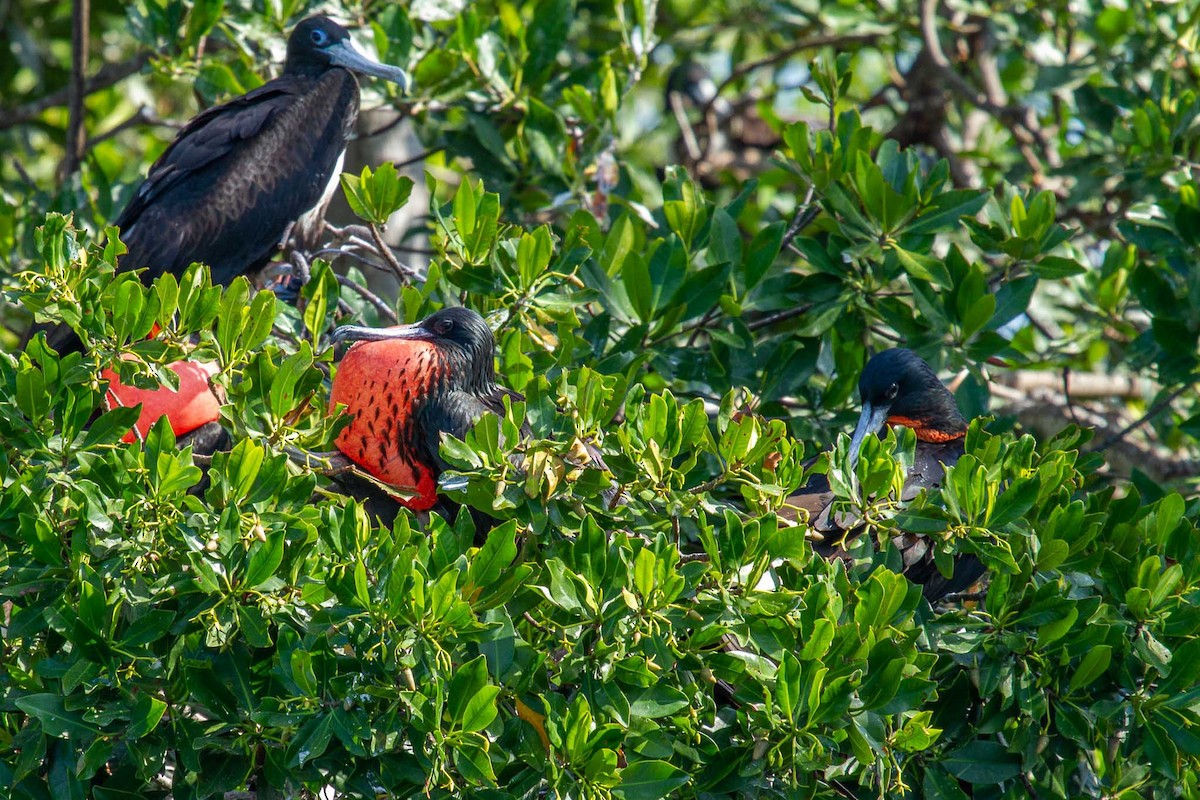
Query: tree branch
x=108, y=75
x=742, y=70
x=1150, y=414
x=76, y=142
x=778, y=316
x=806, y=212
x=405, y=274
x=366, y=294
x=1022, y=121
x=143, y=116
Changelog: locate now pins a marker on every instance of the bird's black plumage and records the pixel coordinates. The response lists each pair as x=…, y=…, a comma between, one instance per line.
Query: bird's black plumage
x=226, y=190
x=234, y=179
x=897, y=387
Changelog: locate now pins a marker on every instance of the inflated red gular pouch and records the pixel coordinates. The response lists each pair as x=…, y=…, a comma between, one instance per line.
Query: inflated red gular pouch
x=186, y=410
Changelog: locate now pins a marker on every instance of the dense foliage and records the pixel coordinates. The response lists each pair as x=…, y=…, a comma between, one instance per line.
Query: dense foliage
x=705, y=330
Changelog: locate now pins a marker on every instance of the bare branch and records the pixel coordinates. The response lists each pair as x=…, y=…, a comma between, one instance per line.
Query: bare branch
x=798, y=46
x=108, y=75
x=76, y=114
x=405, y=274
x=1162, y=405
x=1022, y=120
x=806, y=212
x=1081, y=385
x=143, y=116
x=383, y=308
x=779, y=316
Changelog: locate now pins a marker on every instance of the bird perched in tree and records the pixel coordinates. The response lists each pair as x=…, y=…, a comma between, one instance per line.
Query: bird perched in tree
x=897, y=387
x=405, y=386
x=240, y=175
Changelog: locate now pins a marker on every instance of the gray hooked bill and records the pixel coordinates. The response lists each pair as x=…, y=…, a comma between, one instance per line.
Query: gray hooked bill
x=345, y=54
x=360, y=333
x=871, y=420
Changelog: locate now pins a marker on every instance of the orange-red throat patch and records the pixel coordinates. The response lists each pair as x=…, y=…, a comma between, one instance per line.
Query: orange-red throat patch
x=379, y=383
x=189, y=408
x=924, y=432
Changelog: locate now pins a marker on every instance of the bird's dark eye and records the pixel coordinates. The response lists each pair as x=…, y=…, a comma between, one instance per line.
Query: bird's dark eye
x=892, y=391
x=319, y=37
x=444, y=326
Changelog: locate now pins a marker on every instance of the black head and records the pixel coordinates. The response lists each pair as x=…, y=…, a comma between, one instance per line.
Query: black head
x=460, y=335
x=897, y=387
x=318, y=44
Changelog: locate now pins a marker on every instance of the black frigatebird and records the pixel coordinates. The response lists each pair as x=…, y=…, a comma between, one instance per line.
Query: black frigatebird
x=237, y=176
x=898, y=387
x=405, y=386
x=234, y=179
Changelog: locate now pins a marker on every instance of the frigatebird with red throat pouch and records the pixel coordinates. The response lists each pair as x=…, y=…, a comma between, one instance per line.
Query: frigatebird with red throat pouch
x=404, y=387
x=898, y=387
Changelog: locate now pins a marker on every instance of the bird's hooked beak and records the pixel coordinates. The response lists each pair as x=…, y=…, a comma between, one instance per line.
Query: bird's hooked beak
x=359, y=333
x=871, y=420
x=345, y=54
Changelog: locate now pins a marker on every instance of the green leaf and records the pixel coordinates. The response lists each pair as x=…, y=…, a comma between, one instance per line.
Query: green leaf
x=635, y=275
x=480, y=709
x=946, y=210
x=922, y=267
x=1093, y=665
x=146, y=715
x=376, y=195
x=48, y=709
x=265, y=558
x=498, y=552
x=982, y=762
x=643, y=572
x=471, y=758
x=311, y=740
x=1055, y=267
x=764, y=249
x=469, y=680
x=650, y=780
x=659, y=701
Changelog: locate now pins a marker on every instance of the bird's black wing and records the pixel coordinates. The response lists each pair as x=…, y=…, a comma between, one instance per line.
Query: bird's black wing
x=210, y=135
x=227, y=188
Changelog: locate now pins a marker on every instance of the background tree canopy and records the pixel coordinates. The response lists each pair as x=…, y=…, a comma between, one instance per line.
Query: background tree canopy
x=689, y=224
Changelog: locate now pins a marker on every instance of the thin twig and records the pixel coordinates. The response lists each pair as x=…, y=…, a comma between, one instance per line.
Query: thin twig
x=708, y=317
x=529, y=618
x=141, y=117
x=386, y=252
x=1150, y=414
x=108, y=75
x=778, y=316
x=880, y=332
x=339, y=252
x=366, y=294
x=23, y=174
x=419, y=157
x=805, y=214
x=780, y=56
